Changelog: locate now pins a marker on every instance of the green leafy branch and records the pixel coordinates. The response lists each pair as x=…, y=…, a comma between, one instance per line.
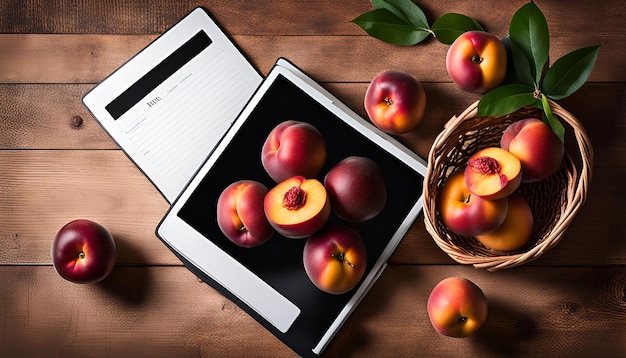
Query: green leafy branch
x=403, y=23
x=535, y=81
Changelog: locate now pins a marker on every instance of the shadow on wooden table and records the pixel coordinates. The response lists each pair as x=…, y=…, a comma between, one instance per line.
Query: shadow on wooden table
x=128, y=283
x=506, y=329
x=381, y=309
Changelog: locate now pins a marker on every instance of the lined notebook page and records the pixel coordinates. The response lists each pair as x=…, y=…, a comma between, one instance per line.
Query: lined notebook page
x=171, y=131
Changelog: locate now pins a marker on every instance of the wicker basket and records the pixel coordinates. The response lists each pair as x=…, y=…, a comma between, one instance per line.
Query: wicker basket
x=554, y=201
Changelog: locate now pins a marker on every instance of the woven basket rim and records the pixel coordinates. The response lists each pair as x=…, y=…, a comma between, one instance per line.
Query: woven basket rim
x=577, y=189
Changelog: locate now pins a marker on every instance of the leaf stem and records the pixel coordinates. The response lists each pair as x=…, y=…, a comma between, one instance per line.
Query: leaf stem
x=428, y=30
x=553, y=122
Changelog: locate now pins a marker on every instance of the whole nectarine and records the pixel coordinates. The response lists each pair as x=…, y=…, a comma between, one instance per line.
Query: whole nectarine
x=83, y=251
x=293, y=148
x=335, y=258
x=477, y=62
x=457, y=307
x=356, y=188
x=516, y=229
x=240, y=213
x=536, y=146
x=467, y=214
x=395, y=102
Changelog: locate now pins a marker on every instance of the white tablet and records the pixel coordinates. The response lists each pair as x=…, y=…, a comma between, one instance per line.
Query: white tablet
x=269, y=281
x=169, y=105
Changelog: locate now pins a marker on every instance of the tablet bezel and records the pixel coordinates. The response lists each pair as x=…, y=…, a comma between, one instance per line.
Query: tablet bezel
x=174, y=231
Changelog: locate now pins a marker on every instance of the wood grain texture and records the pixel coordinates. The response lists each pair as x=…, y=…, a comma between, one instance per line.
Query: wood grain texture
x=58, y=164
x=533, y=312
x=142, y=312
x=55, y=170
x=42, y=190
x=32, y=112
x=36, y=116
x=296, y=17
x=60, y=58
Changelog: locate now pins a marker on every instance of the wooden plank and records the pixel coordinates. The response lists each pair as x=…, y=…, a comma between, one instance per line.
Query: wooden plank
x=54, y=58
x=298, y=18
x=42, y=190
x=48, y=116
x=166, y=311
x=533, y=312
x=29, y=174
x=43, y=116
x=570, y=302
x=141, y=312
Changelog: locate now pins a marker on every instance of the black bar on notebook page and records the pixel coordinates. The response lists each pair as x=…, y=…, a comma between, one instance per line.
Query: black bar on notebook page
x=158, y=74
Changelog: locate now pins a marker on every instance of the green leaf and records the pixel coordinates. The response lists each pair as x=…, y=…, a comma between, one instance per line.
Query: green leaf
x=569, y=73
x=529, y=32
x=386, y=26
x=406, y=10
x=450, y=26
x=521, y=66
x=553, y=122
x=505, y=99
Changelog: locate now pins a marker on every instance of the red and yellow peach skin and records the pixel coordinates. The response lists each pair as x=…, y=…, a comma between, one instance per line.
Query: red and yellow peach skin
x=395, y=102
x=467, y=214
x=335, y=258
x=516, y=230
x=457, y=307
x=536, y=146
x=356, y=188
x=477, y=61
x=240, y=213
x=293, y=148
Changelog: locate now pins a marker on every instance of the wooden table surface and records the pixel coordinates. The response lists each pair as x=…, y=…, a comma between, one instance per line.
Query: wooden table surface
x=58, y=164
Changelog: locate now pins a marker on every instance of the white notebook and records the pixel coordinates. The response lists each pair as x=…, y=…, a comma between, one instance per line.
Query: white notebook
x=169, y=105
x=193, y=113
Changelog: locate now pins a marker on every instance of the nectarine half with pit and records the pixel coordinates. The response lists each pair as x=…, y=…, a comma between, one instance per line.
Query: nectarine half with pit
x=493, y=173
x=356, y=188
x=297, y=207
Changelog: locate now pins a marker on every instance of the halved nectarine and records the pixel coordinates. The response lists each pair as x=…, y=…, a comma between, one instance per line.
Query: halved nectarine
x=493, y=173
x=297, y=207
